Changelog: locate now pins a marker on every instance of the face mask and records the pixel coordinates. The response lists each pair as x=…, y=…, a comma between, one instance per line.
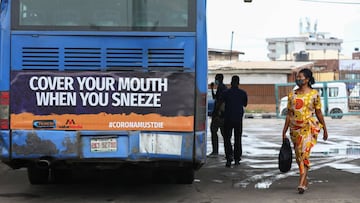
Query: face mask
x=216, y=82
x=299, y=82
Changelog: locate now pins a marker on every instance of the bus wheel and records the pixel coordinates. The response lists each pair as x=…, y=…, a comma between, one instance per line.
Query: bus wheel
x=336, y=111
x=61, y=175
x=185, y=176
x=162, y=176
x=37, y=175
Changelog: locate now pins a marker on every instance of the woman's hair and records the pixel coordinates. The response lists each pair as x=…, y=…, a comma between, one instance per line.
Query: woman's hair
x=308, y=74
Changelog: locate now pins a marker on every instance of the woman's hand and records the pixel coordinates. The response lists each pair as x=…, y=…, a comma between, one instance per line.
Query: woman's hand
x=325, y=135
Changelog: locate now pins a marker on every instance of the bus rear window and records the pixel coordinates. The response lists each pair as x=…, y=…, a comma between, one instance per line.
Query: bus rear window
x=93, y=15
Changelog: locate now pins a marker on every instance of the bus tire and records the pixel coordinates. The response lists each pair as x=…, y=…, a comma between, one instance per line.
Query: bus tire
x=61, y=175
x=38, y=176
x=185, y=176
x=161, y=176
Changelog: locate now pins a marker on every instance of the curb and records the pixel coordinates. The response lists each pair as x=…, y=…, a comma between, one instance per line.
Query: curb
x=260, y=115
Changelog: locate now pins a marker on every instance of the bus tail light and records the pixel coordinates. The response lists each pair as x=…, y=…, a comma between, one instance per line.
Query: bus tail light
x=4, y=110
x=201, y=113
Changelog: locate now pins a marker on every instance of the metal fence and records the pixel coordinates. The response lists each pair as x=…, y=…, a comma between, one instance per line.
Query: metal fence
x=339, y=98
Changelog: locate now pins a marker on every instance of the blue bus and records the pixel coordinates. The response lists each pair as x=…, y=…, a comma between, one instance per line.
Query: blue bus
x=113, y=83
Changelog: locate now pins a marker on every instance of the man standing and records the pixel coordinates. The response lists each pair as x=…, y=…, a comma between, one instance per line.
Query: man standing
x=217, y=117
x=235, y=100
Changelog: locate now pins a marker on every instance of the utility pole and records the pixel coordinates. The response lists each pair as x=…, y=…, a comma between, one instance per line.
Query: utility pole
x=231, y=44
x=286, y=49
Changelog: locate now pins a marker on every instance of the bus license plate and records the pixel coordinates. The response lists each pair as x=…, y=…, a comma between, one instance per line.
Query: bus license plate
x=103, y=144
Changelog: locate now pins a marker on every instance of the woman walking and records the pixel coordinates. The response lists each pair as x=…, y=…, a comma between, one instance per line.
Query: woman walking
x=303, y=104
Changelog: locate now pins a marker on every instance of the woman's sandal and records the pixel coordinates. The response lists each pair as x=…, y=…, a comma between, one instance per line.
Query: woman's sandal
x=301, y=189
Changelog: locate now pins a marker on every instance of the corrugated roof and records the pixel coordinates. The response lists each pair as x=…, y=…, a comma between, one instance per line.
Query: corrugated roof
x=287, y=66
x=225, y=51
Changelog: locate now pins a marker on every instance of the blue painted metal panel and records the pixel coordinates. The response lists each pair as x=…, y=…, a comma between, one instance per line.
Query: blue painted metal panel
x=4, y=144
x=42, y=143
x=201, y=82
x=187, y=147
x=43, y=52
x=5, y=46
x=135, y=154
x=201, y=48
x=72, y=144
x=134, y=148
x=200, y=142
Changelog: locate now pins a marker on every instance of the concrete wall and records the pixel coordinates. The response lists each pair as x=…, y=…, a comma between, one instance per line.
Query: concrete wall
x=252, y=78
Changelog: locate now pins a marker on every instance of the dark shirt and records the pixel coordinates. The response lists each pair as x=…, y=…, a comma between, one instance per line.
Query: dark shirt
x=217, y=97
x=219, y=90
x=235, y=100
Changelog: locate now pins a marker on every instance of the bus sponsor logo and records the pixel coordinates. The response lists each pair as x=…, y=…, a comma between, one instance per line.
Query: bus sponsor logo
x=70, y=123
x=44, y=124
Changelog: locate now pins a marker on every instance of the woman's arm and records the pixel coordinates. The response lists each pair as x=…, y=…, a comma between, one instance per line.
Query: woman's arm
x=287, y=122
x=320, y=117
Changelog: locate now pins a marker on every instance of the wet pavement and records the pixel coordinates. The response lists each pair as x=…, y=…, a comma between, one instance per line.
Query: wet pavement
x=333, y=177
x=246, y=184
x=262, y=141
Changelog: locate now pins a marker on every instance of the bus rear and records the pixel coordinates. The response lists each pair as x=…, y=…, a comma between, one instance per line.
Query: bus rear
x=103, y=83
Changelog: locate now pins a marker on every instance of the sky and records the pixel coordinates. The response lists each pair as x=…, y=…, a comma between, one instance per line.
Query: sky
x=248, y=25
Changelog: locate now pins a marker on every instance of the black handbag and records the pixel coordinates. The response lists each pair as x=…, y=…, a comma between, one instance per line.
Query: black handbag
x=285, y=156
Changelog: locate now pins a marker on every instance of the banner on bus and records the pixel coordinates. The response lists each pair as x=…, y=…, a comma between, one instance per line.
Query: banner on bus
x=160, y=101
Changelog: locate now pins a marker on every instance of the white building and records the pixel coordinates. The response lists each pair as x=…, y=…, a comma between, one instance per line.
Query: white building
x=256, y=72
x=309, y=46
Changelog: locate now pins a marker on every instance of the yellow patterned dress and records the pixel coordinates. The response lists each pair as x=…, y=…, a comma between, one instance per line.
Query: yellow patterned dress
x=304, y=127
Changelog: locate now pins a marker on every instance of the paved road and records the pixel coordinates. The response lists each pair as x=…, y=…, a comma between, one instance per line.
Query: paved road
x=334, y=177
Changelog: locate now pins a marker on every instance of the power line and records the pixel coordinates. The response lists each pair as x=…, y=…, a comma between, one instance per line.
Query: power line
x=332, y=2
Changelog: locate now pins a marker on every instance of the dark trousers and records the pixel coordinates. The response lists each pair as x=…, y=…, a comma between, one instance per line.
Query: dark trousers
x=216, y=124
x=231, y=153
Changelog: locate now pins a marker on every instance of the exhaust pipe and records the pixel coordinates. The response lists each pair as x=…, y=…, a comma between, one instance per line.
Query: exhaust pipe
x=43, y=163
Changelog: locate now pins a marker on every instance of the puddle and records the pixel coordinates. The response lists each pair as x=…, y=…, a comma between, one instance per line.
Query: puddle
x=263, y=185
x=240, y=184
x=217, y=181
x=346, y=167
x=348, y=150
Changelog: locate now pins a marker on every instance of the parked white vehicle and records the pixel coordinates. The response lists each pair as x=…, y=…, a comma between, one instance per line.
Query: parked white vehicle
x=354, y=97
x=337, y=99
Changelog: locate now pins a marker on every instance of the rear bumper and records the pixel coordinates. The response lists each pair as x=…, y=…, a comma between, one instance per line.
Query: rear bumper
x=21, y=146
